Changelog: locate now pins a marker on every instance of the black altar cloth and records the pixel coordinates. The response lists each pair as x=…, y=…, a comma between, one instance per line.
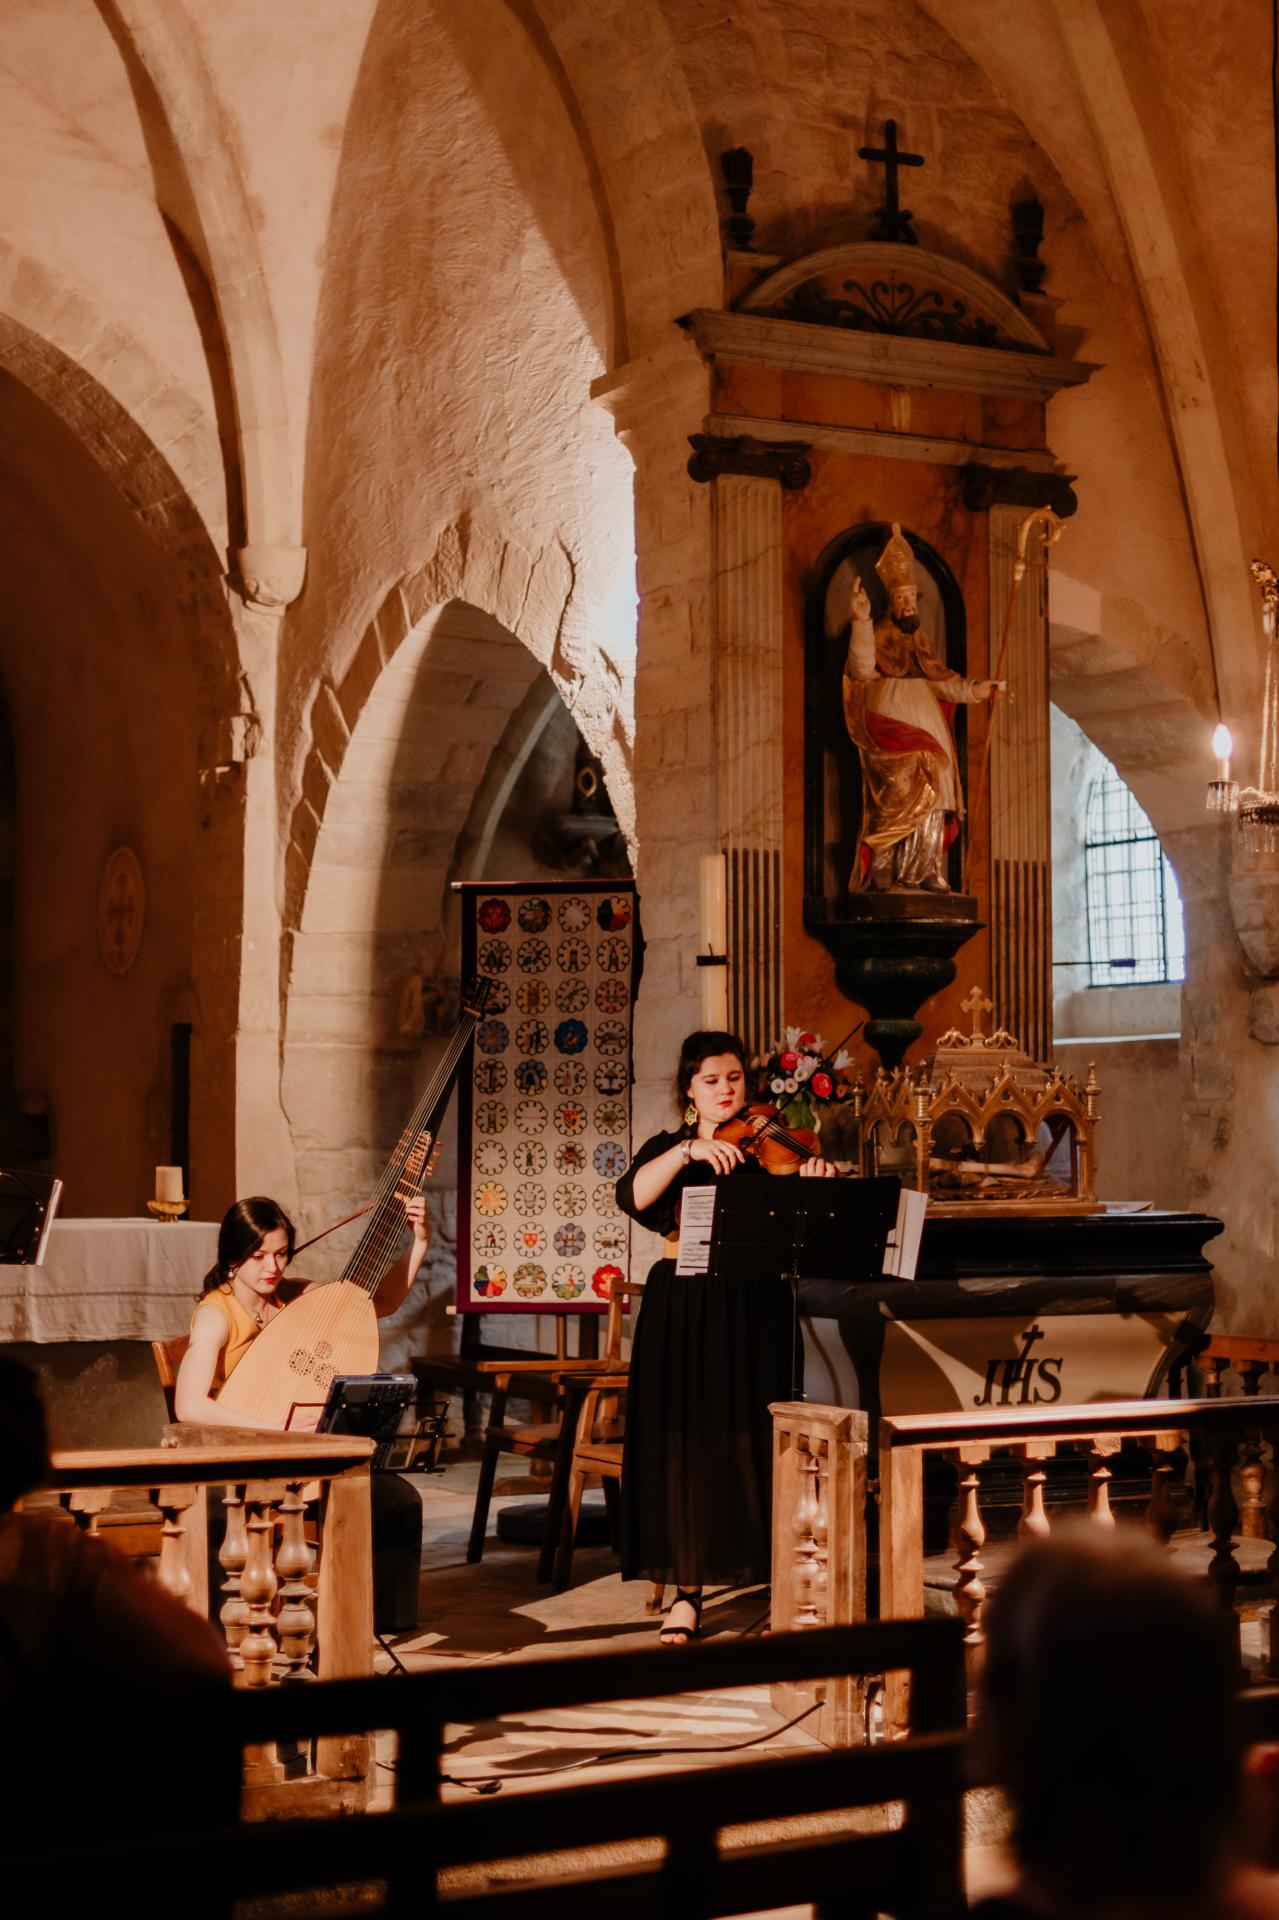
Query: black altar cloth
x=1018, y=1277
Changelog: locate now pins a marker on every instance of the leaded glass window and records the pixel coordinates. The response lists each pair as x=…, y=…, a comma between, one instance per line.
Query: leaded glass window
x=1135, y=932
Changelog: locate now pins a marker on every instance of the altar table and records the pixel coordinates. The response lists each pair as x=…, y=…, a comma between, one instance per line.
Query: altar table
x=109, y=1280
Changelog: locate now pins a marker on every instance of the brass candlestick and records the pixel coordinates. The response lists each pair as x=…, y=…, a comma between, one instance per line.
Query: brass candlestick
x=167, y=1209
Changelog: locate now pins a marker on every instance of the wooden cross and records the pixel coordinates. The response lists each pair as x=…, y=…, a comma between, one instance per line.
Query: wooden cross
x=977, y=1004
x=892, y=220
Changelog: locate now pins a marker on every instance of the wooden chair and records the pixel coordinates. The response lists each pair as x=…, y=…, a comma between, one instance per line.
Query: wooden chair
x=168, y=1355
x=542, y=1379
x=590, y=1448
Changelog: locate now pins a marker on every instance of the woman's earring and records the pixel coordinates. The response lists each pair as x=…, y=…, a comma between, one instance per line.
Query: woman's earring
x=690, y=1115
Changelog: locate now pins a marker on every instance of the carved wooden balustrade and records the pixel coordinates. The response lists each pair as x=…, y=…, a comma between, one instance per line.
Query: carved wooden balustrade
x=1228, y=1436
x=819, y=1560
x=291, y=1611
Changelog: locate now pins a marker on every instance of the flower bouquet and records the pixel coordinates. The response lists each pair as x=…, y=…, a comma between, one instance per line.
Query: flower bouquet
x=801, y=1080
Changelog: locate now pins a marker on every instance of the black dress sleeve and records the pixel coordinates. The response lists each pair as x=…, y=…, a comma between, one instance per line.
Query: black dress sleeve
x=660, y=1217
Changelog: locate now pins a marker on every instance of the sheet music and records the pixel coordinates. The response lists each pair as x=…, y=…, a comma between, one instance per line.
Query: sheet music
x=901, y=1255
x=696, y=1218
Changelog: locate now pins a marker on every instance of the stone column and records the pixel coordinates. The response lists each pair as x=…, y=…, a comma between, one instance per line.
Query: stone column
x=746, y=480
x=656, y=402
x=1020, y=795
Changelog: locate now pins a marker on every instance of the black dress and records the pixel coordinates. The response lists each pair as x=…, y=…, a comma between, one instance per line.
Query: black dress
x=709, y=1355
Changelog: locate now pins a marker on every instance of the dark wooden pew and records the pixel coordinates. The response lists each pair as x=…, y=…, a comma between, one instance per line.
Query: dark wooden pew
x=405, y=1857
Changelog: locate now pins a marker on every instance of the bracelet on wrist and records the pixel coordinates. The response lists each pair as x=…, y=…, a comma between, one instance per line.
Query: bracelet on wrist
x=686, y=1150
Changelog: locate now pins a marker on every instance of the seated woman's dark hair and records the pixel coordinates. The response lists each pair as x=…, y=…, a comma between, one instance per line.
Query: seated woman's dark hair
x=699, y=1046
x=24, y=1434
x=244, y=1227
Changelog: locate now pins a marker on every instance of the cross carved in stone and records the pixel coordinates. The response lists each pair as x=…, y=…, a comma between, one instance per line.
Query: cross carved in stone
x=977, y=1005
x=892, y=220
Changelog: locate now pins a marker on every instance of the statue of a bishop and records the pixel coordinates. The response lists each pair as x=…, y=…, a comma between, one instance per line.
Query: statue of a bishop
x=898, y=698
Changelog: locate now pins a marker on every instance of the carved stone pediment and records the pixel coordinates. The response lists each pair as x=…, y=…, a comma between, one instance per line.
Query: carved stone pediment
x=882, y=287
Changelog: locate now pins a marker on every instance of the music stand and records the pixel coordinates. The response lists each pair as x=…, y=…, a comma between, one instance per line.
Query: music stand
x=372, y=1404
x=797, y=1229
x=28, y=1207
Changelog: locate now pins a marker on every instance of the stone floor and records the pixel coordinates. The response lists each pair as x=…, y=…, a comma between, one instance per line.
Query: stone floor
x=496, y=1611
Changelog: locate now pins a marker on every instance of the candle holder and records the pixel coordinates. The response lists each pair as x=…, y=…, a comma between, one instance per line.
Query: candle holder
x=1223, y=796
x=167, y=1210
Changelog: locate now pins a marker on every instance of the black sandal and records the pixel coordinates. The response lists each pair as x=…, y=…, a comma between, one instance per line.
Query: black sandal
x=680, y=1636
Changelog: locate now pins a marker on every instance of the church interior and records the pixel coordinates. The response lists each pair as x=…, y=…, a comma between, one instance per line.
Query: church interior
x=610, y=521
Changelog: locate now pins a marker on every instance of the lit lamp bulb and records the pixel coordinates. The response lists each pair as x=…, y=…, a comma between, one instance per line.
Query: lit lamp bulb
x=1223, y=792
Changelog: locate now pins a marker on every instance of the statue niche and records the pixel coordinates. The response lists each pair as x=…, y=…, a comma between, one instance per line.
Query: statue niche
x=886, y=691
x=886, y=698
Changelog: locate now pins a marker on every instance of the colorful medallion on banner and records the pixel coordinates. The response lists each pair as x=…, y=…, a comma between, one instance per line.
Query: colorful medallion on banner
x=544, y=1118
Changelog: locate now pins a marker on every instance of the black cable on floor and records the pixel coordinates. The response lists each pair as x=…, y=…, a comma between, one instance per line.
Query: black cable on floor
x=492, y=1783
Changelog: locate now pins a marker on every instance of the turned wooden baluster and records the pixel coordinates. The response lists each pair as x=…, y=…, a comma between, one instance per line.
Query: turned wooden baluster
x=232, y=1554
x=968, y=1538
x=1161, y=1512
x=1223, y=1518
x=295, y=1621
x=175, y=1574
x=1033, y=1522
x=805, y=1536
x=1099, y=1452
x=258, y=1586
x=85, y=1504
x=1212, y=1367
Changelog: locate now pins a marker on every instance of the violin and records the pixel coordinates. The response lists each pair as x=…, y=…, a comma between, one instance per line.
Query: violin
x=758, y=1130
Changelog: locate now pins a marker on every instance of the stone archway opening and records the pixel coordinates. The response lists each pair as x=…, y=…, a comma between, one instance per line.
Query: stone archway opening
x=463, y=752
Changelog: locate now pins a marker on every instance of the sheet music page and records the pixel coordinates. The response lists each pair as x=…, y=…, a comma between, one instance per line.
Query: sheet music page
x=696, y=1217
x=901, y=1255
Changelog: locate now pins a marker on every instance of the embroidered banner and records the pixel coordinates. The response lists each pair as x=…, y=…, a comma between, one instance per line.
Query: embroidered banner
x=544, y=1115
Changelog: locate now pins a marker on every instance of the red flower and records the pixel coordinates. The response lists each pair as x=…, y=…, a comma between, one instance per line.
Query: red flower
x=807, y=1041
x=822, y=1085
x=788, y=1062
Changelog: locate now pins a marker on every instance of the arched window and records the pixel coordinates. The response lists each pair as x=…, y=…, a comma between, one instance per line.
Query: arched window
x=1135, y=931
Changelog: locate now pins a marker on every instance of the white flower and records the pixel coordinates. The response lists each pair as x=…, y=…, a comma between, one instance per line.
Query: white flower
x=792, y=1038
x=843, y=1059
x=818, y=1047
x=805, y=1067
x=777, y=1086
x=790, y=1084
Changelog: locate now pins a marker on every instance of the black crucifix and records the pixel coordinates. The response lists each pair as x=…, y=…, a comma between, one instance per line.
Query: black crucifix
x=892, y=220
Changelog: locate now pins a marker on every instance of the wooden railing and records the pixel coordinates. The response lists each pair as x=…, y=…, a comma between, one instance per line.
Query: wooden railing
x=1230, y=1438
x=423, y=1853
x=292, y=1608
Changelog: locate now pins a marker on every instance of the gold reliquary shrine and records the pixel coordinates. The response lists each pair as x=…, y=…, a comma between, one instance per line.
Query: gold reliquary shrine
x=982, y=1126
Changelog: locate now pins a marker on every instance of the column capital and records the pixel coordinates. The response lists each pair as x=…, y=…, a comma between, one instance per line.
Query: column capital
x=746, y=458
x=987, y=487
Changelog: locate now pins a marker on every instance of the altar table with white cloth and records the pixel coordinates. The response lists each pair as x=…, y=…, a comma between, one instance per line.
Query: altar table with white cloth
x=109, y=1280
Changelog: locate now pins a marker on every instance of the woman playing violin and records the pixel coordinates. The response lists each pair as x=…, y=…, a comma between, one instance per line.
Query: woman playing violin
x=709, y=1355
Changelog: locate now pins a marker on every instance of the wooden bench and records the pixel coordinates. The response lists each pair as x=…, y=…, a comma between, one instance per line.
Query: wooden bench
x=421, y=1855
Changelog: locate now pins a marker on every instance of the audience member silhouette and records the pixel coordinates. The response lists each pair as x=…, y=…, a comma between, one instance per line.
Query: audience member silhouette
x=110, y=1689
x=1108, y=1717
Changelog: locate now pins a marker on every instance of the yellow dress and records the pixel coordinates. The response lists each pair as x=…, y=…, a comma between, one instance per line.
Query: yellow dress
x=242, y=1331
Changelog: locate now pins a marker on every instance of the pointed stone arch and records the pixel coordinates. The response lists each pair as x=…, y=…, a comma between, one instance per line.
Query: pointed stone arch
x=526, y=595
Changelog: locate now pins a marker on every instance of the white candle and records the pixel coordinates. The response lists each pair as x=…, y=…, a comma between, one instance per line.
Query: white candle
x=713, y=939
x=168, y=1184
x=713, y=927
x=1223, y=746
